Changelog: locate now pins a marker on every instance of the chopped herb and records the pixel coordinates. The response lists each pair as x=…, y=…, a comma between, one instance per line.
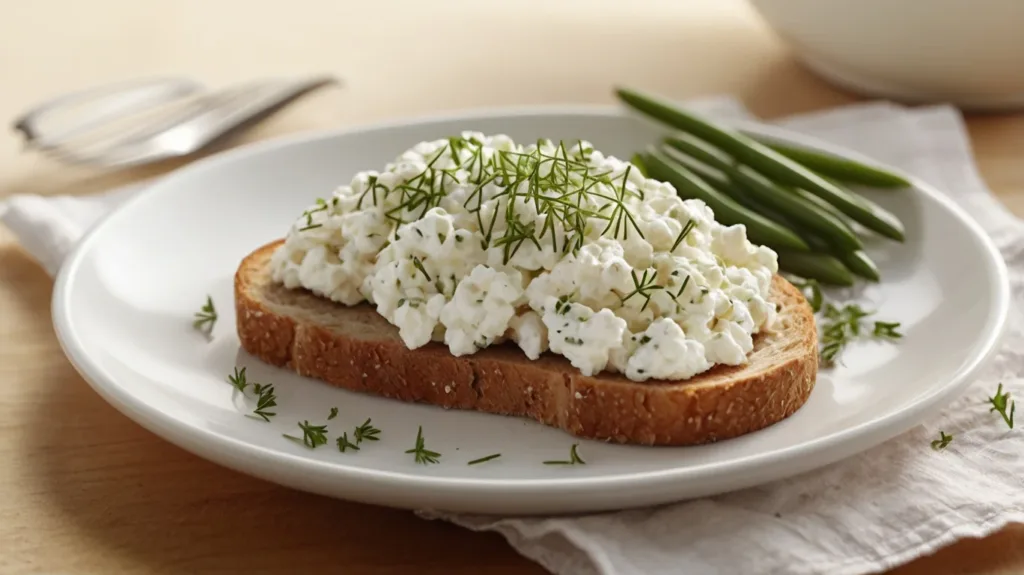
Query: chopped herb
x=484, y=459
x=267, y=399
x=686, y=280
x=643, y=286
x=237, y=379
x=366, y=432
x=574, y=458
x=563, y=305
x=422, y=454
x=334, y=413
x=887, y=329
x=206, y=317
x=573, y=341
x=313, y=436
x=1000, y=402
x=645, y=339
x=344, y=444
x=557, y=182
x=844, y=324
x=419, y=265
x=943, y=441
x=620, y=217
x=682, y=234
x=310, y=227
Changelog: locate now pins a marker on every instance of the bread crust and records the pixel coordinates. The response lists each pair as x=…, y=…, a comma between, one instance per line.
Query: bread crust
x=357, y=349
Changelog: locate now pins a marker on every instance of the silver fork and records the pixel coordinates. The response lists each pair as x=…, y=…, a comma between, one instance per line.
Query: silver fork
x=152, y=120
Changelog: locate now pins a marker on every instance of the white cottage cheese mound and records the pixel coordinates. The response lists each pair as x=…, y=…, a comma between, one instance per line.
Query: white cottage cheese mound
x=476, y=240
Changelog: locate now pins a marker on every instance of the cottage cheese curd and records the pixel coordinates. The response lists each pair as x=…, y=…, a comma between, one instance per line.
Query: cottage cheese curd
x=476, y=240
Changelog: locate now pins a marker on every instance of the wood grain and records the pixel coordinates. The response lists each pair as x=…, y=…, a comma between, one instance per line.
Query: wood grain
x=84, y=490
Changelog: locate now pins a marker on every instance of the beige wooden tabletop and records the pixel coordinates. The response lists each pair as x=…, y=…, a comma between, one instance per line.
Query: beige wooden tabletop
x=85, y=490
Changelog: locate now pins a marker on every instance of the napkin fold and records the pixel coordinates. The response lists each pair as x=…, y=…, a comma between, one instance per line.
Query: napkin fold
x=871, y=512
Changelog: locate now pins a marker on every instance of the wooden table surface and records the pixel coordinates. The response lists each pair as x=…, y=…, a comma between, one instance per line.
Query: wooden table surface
x=84, y=490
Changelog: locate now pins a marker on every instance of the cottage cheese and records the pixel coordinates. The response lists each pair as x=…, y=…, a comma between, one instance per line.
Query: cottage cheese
x=476, y=240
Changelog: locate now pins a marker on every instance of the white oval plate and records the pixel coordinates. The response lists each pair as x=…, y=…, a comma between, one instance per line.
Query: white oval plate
x=124, y=301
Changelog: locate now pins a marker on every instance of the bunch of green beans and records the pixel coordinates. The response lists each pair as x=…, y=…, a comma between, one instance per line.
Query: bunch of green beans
x=790, y=199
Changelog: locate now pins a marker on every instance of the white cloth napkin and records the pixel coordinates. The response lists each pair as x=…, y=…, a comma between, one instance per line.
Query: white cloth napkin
x=887, y=506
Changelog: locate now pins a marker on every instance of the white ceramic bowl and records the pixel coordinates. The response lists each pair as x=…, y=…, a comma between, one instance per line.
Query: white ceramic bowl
x=965, y=52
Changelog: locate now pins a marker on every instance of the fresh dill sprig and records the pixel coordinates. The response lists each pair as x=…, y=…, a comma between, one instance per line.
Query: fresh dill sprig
x=484, y=459
x=643, y=286
x=549, y=177
x=366, y=432
x=344, y=444
x=333, y=414
x=682, y=287
x=621, y=218
x=574, y=458
x=421, y=453
x=313, y=436
x=206, y=317
x=943, y=441
x=266, y=399
x=845, y=324
x=682, y=234
x=237, y=379
x=1000, y=402
x=887, y=329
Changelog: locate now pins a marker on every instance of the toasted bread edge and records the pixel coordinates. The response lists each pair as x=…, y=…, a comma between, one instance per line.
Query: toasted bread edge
x=722, y=403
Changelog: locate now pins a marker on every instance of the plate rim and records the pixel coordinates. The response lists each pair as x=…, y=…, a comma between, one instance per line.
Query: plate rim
x=191, y=438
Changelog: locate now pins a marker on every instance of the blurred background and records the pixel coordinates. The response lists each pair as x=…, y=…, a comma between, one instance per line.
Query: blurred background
x=402, y=58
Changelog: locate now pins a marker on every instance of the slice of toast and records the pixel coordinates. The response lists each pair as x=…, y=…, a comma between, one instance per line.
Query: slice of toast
x=357, y=349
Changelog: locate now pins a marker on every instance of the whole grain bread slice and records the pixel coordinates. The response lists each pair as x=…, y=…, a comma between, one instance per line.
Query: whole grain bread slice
x=357, y=349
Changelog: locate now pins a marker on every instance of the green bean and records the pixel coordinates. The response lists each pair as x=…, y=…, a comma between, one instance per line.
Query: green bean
x=767, y=161
x=637, y=161
x=821, y=204
x=836, y=167
x=856, y=261
x=770, y=213
x=832, y=270
x=715, y=178
x=859, y=263
x=807, y=213
x=700, y=150
x=821, y=267
x=798, y=209
x=707, y=154
x=704, y=155
x=760, y=230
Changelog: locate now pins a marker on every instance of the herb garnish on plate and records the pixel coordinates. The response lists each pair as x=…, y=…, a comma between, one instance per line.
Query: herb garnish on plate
x=206, y=317
x=420, y=451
